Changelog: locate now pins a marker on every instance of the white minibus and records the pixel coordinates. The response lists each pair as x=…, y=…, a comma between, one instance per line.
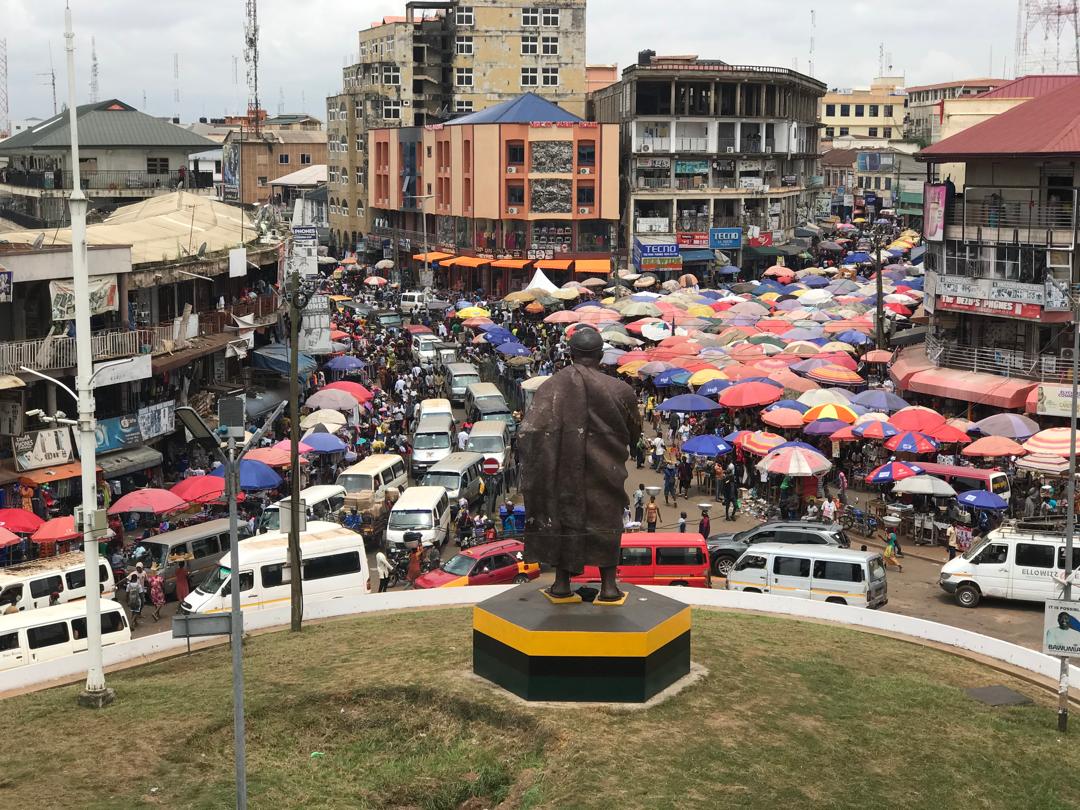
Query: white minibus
x=30, y=585
x=424, y=510
x=322, y=502
x=819, y=572
x=53, y=632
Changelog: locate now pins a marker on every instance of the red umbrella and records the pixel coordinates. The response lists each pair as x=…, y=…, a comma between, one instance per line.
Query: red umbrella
x=844, y=434
x=20, y=521
x=877, y=356
x=361, y=393
x=911, y=442
x=947, y=434
x=9, y=538
x=916, y=417
x=150, y=500
x=760, y=442
x=750, y=395
x=783, y=418
x=993, y=447
x=56, y=530
x=199, y=489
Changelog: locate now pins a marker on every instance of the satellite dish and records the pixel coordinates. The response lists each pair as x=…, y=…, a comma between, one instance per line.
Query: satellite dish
x=39, y=241
x=202, y=250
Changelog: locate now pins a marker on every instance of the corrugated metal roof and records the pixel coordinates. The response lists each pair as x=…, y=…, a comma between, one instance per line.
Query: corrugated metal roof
x=307, y=176
x=1048, y=125
x=957, y=83
x=1030, y=86
x=108, y=124
x=521, y=110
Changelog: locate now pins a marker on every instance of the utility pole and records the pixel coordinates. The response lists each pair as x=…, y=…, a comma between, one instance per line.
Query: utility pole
x=93, y=521
x=879, y=319
x=297, y=298
x=1070, y=524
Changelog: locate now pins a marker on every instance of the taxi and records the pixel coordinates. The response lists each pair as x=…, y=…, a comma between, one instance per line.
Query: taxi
x=498, y=563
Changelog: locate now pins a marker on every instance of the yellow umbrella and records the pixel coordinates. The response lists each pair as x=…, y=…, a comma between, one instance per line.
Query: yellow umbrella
x=830, y=411
x=838, y=346
x=705, y=375
x=700, y=311
x=519, y=297
x=769, y=296
x=631, y=368
x=799, y=293
x=473, y=312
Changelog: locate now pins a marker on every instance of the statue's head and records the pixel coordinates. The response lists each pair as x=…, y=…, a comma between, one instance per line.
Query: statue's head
x=586, y=345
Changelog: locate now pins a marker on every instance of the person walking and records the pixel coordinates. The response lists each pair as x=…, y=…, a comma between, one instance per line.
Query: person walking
x=183, y=582
x=157, y=592
x=134, y=599
x=669, y=485
x=704, y=525
x=639, y=503
x=652, y=514
x=889, y=557
x=382, y=565
x=950, y=541
x=731, y=495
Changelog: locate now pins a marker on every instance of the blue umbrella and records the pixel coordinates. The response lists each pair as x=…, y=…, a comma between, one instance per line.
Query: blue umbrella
x=815, y=282
x=981, y=499
x=254, y=475
x=893, y=471
x=795, y=405
x=324, y=443
x=856, y=258
x=585, y=304
x=688, y=403
x=345, y=362
x=714, y=294
x=823, y=427
x=854, y=337
x=730, y=270
x=878, y=400
x=673, y=376
x=762, y=380
x=707, y=445
x=877, y=430
x=714, y=387
x=513, y=349
x=463, y=304
x=499, y=338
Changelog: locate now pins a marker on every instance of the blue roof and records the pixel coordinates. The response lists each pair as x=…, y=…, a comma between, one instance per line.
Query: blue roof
x=521, y=110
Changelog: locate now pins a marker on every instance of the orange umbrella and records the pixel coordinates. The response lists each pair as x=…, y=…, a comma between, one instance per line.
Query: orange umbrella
x=761, y=442
x=783, y=418
x=835, y=375
x=830, y=411
x=993, y=447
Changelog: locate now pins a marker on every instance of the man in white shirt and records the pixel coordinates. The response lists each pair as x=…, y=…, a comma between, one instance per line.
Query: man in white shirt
x=462, y=439
x=828, y=511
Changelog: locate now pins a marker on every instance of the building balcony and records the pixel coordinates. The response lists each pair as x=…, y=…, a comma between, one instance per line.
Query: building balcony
x=57, y=353
x=755, y=145
x=1002, y=362
x=1015, y=216
x=134, y=184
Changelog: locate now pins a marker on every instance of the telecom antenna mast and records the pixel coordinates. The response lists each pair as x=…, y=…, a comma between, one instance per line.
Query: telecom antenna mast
x=94, y=87
x=5, y=120
x=1047, y=36
x=251, y=57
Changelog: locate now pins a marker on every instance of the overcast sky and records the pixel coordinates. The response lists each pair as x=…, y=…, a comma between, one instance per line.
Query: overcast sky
x=304, y=44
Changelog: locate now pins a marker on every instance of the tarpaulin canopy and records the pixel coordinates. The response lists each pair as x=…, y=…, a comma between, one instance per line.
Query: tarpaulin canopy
x=275, y=357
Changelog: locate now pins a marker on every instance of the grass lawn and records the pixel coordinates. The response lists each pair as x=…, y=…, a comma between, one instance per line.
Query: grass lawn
x=791, y=714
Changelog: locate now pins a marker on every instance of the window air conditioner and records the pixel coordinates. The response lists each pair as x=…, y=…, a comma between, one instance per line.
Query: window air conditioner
x=583, y=210
x=406, y=102
x=511, y=169
x=731, y=150
x=511, y=210
x=646, y=148
x=584, y=171
x=768, y=150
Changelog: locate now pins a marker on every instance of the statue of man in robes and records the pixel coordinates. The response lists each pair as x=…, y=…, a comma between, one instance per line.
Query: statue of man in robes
x=574, y=443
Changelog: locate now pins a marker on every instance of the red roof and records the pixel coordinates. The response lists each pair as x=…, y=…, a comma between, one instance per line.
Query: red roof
x=1030, y=86
x=1047, y=125
x=956, y=83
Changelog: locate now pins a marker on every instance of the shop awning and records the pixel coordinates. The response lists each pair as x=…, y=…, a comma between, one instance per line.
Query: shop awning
x=601, y=267
x=258, y=405
x=697, y=255
x=972, y=386
x=434, y=256
x=47, y=475
x=909, y=337
x=512, y=264
x=467, y=261
x=907, y=364
x=554, y=264
x=10, y=381
x=772, y=250
x=132, y=460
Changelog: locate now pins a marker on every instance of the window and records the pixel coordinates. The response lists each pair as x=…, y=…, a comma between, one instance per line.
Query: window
x=157, y=165
x=635, y=556
x=515, y=152
x=11, y=594
x=1034, y=556
x=586, y=194
x=843, y=132
x=47, y=636
x=872, y=132
x=750, y=561
x=283, y=159
x=247, y=582
x=332, y=565
x=77, y=578
x=549, y=17
x=391, y=109
x=262, y=181
x=888, y=183
x=529, y=77
x=9, y=641
x=830, y=109
x=550, y=76
x=111, y=622
x=845, y=110
x=274, y=575
x=859, y=110
x=886, y=132
x=877, y=183
x=463, y=105
x=515, y=193
x=206, y=546
x=463, y=76
x=40, y=588
x=791, y=567
x=550, y=46
x=679, y=555
x=838, y=571
x=359, y=177
x=1060, y=559
x=829, y=132
x=888, y=110
x=464, y=15
x=529, y=45
x=357, y=110
x=530, y=16
x=993, y=554
x=464, y=46
x=359, y=209
x=873, y=111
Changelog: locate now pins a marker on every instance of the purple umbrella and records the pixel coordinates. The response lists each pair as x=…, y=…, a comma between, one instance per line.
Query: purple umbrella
x=1009, y=425
x=788, y=305
x=806, y=366
x=802, y=333
x=814, y=282
x=824, y=427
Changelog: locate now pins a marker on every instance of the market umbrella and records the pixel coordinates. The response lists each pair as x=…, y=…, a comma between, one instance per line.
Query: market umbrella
x=52, y=531
x=1009, y=425
x=513, y=349
x=785, y=418
x=788, y=403
x=795, y=461
x=911, y=442
x=472, y=312
x=254, y=475
x=750, y=395
x=877, y=356
x=1044, y=463
x=375, y=281
x=324, y=443
x=384, y=264
x=150, y=500
x=199, y=489
x=360, y=393
x=345, y=362
x=8, y=538
x=877, y=399
x=830, y=410
x=1050, y=442
x=714, y=387
x=993, y=447
x=20, y=521
x=917, y=418
x=706, y=445
x=323, y=417
x=835, y=374
x=981, y=499
x=823, y=427
x=947, y=434
x=924, y=485
x=875, y=430
x=688, y=403
x=821, y=396
x=760, y=442
x=892, y=472
x=333, y=399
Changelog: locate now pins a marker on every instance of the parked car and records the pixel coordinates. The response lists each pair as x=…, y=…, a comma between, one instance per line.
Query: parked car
x=659, y=558
x=726, y=547
x=498, y=563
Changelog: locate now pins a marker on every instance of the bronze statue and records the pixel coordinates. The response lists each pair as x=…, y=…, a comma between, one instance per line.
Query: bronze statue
x=574, y=443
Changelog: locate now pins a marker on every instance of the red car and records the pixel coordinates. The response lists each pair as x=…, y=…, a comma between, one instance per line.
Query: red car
x=498, y=563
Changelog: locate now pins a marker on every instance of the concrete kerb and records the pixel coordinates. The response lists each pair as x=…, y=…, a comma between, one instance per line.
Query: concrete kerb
x=1042, y=669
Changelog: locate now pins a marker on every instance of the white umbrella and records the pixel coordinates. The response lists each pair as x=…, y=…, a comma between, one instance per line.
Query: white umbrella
x=816, y=298
x=384, y=264
x=323, y=417
x=823, y=396
x=656, y=331
x=924, y=485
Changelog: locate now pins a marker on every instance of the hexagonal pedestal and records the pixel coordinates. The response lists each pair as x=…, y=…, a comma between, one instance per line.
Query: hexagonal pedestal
x=581, y=652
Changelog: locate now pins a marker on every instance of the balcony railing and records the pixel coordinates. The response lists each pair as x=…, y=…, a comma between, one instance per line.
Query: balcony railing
x=1014, y=215
x=724, y=145
x=686, y=144
x=109, y=180
x=654, y=144
x=1003, y=362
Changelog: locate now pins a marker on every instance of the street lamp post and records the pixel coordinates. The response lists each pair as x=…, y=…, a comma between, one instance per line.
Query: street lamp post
x=423, y=225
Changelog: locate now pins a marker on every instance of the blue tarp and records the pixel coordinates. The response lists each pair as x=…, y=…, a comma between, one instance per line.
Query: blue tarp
x=524, y=109
x=697, y=255
x=275, y=357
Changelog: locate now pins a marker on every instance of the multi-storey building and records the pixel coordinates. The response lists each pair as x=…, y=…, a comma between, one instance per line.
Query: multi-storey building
x=487, y=198
x=443, y=59
x=922, y=121
x=1001, y=261
x=706, y=146
x=252, y=161
x=874, y=112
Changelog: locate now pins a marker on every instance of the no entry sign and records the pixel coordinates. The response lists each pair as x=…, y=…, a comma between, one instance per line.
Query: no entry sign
x=491, y=466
